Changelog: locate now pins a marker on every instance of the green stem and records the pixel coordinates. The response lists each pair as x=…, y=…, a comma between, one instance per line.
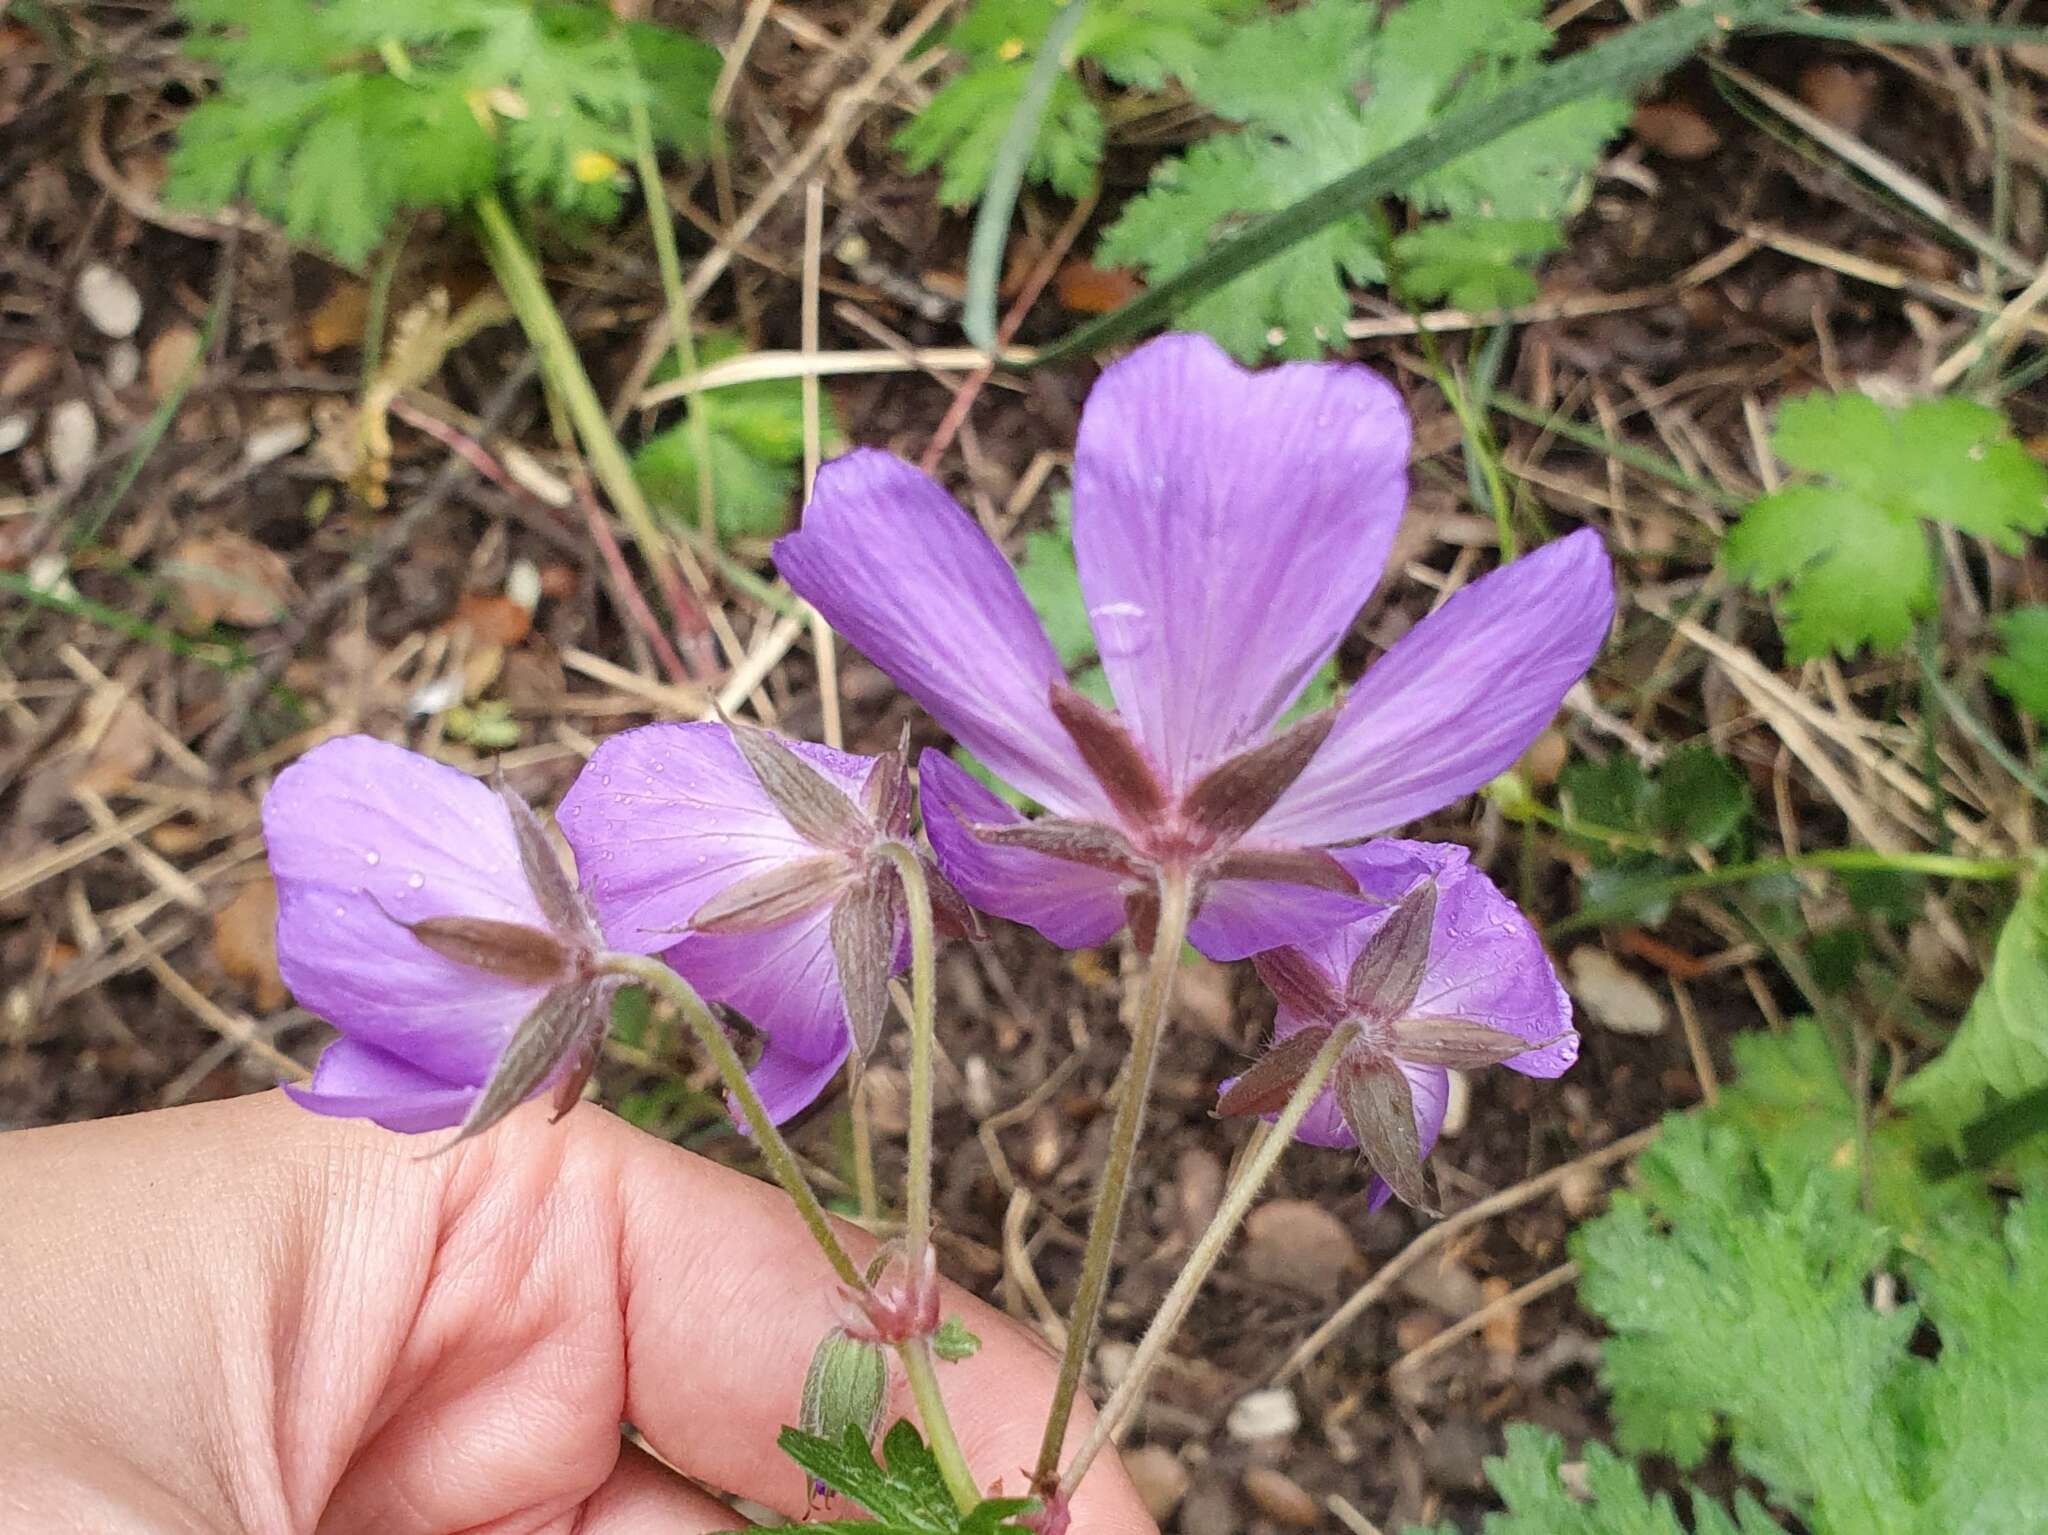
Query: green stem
x=660, y=979
x=1591, y=831
x=918, y=1365
x=671, y=265
x=1848, y=860
x=519, y=275
x=1269, y=1142
x=1153, y=1004
x=916, y=1353
x=923, y=1046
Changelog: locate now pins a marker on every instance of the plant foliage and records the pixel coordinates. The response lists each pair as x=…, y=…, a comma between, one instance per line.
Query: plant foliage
x=1866, y=1341
x=333, y=115
x=1848, y=542
x=904, y=1490
x=1141, y=43
x=756, y=431
x=2022, y=671
x=1324, y=88
x=1696, y=799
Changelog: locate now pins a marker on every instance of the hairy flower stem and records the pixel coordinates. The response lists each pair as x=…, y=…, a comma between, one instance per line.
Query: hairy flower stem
x=1153, y=1004
x=919, y=1366
x=1268, y=1142
x=660, y=979
x=916, y=1353
x=662, y=224
x=917, y=1198
x=519, y=275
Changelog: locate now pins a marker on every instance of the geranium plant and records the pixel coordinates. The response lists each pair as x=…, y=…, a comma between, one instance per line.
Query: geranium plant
x=1228, y=526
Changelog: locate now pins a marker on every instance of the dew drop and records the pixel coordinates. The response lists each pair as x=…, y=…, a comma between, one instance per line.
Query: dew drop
x=370, y=859
x=341, y=911
x=415, y=879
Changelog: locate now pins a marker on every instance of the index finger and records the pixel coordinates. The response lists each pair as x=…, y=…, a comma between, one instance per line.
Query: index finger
x=724, y=1296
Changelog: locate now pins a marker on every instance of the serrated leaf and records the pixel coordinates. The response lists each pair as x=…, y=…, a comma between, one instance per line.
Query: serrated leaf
x=1850, y=548
x=1141, y=43
x=1323, y=88
x=1699, y=797
x=904, y=1490
x=1529, y=1479
x=2022, y=672
x=1474, y=263
x=332, y=117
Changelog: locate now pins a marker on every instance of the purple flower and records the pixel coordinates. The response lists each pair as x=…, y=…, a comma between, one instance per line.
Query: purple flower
x=1227, y=527
x=755, y=867
x=1447, y=973
x=425, y=916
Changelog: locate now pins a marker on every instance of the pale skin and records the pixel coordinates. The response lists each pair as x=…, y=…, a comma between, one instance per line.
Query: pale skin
x=244, y=1317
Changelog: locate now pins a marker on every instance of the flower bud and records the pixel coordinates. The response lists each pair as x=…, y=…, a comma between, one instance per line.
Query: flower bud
x=844, y=1388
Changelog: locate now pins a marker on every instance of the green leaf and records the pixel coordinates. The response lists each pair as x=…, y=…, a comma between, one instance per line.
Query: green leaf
x=1473, y=263
x=1848, y=545
x=756, y=432
x=333, y=117
x=2022, y=672
x=953, y=1342
x=2001, y=1049
x=1530, y=1482
x=1137, y=42
x=1699, y=797
x=1325, y=88
x=1052, y=584
x=904, y=1490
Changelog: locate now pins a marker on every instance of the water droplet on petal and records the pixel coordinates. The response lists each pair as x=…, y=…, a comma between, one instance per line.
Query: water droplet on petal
x=340, y=911
x=415, y=879
x=370, y=859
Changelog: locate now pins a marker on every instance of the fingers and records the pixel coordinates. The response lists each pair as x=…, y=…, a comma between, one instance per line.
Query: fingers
x=725, y=1298
x=644, y=1497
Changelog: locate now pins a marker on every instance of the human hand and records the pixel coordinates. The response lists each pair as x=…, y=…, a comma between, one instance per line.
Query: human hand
x=241, y=1317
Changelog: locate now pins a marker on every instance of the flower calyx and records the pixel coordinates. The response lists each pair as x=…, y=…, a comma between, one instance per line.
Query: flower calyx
x=1198, y=832
x=852, y=869
x=901, y=1301
x=559, y=1039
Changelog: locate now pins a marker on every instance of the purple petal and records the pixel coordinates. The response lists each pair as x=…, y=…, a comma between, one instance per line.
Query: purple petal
x=364, y=835
x=1075, y=905
x=788, y=1083
x=1456, y=699
x=1486, y=962
x=784, y=982
x=1242, y=917
x=1228, y=525
x=358, y=1081
x=897, y=567
x=664, y=817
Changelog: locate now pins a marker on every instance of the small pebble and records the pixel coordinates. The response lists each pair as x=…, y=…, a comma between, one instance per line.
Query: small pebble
x=171, y=352
x=1616, y=998
x=1267, y=1414
x=1297, y=1244
x=26, y=369
x=1161, y=1480
x=15, y=429
x=269, y=443
x=71, y=439
x=124, y=364
x=109, y=301
x=1211, y=1510
x=1675, y=129
x=1281, y=1498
